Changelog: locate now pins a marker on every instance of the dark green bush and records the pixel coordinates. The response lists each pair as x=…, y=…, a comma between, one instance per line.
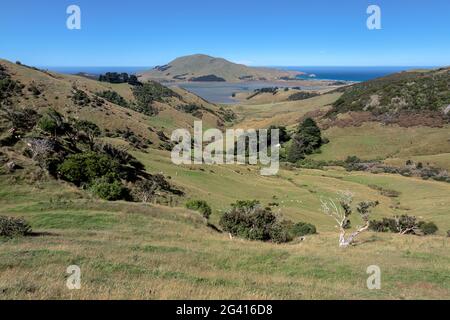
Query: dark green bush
x=52, y=122
x=279, y=233
x=47, y=124
x=201, y=206
x=301, y=229
x=13, y=227
x=108, y=188
x=247, y=219
x=86, y=167
x=428, y=228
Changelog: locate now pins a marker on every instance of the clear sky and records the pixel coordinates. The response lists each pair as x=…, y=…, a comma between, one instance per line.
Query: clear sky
x=254, y=32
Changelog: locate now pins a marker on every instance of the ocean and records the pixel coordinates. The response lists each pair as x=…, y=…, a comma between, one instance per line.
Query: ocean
x=356, y=74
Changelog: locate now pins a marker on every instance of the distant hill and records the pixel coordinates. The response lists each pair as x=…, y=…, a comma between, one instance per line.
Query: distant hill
x=201, y=67
x=412, y=98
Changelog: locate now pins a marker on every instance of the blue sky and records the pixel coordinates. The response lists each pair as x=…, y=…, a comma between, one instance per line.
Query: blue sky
x=254, y=32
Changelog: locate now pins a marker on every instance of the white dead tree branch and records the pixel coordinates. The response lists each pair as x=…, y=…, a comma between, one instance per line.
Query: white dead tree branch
x=341, y=211
x=40, y=148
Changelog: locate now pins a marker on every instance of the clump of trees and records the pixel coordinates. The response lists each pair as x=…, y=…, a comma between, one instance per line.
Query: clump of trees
x=249, y=220
x=342, y=209
x=11, y=227
x=303, y=95
x=115, y=77
x=148, y=93
x=404, y=224
x=305, y=141
x=208, y=78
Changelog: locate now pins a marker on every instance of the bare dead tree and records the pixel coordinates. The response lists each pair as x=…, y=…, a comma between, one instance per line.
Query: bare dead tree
x=145, y=190
x=341, y=210
x=40, y=149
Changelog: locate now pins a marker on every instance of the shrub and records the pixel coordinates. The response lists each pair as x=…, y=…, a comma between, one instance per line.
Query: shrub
x=80, y=98
x=87, y=130
x=108, y=188
x=201, y=206
x=13, y=227
x=279, y=233
x=47, y=124
x=247, y=219
x=52, y=122
x=428, y=228
x=302, y=229
x=86, y=167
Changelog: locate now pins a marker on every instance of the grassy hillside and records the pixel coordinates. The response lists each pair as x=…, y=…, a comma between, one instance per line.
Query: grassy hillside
x=142, y=251
x=201, y=67
x=375, y=141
